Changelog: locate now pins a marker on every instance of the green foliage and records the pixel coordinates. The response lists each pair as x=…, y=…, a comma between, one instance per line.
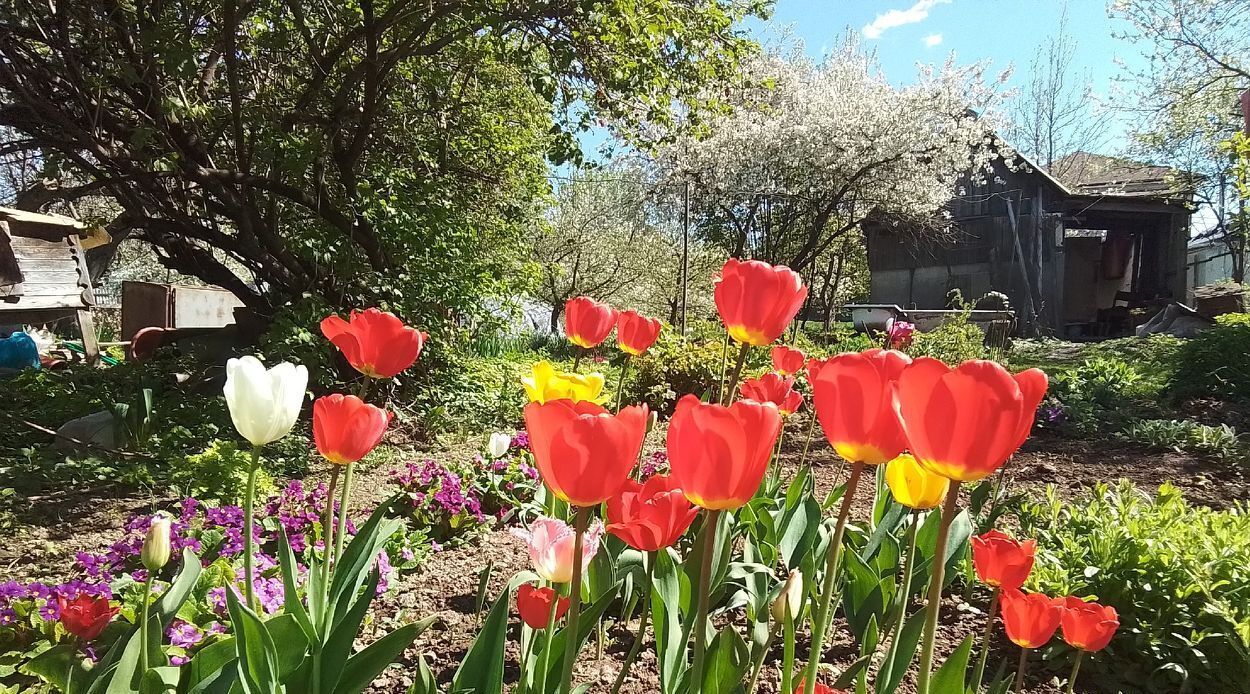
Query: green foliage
x=1175, y=573
x=219, y=473
x=695, y=364
x=1221, y=442
x=955, y=341
x=1216, y=362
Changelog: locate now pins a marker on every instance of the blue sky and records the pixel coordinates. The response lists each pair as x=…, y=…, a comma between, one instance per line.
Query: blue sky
x=1005, y=33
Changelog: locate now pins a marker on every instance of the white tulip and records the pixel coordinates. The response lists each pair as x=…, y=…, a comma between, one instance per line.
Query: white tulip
x=264, y=404
x=790, y=599
x=499, y=444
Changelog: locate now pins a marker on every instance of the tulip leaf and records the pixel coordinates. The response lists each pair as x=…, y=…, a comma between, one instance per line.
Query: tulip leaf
x=352, y=569
x=257, y=654
x=949, y=679
x=425, y=683
x=338, y=645
x=482, y=667
x=362, y=668
x=666, y=609
x=55, y=666
x=727, y=661
x=889, y=522
x=798, y=532
x=291, y=603
x=159, y=680
x=585, y=627
x=798, y=490
x=211, y=666
x=483, y=585
x=847, y=678
x=900, y=655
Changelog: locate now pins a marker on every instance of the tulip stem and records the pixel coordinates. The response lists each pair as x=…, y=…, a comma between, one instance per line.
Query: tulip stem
x=249, y=542
x=620, y=385
x=707, y=548
x=904, y=594
x=327, y=525
x=571, y=642
x=820, y=620
x=145, y=661
x=577, y=359
x=724, y=368
x=934, y=600
x=732, y=391
x=642, y=626
x=811, y=432
x=979, y=673
x=540, y=683
x=341, y=532
x=1024, y=661
x=787, y=655
x=1076, y=668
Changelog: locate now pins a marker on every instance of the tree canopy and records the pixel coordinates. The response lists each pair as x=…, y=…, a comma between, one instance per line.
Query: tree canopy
x=352, y=152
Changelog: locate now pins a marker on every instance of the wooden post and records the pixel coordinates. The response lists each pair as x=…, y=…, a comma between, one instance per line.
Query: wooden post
x=90, y=345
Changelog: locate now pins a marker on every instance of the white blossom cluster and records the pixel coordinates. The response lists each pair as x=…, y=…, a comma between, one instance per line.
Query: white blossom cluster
x=839, y=133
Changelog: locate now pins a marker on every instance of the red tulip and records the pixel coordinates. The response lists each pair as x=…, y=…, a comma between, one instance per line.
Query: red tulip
x=86, y=616
x=788, y=360
x=1031, y=619
x=650, y=516
x=1002, y=561
x=1088, y=626
x=1033, y=384
x=587, y=322
x=964, y=423
x=584, y=453
x=820, y=688
x=346, y=428
x=774, y=388
x=635, y=333
x=376, y=343
x=756, y=301
x=534, y=605
x=717, y=454
x=853, y=395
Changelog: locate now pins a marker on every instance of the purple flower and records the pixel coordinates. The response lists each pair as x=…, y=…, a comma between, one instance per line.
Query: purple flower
x=184, y=634
x=521, y=440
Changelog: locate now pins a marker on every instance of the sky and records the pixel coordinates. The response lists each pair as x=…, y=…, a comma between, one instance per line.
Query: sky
x=1005, y=33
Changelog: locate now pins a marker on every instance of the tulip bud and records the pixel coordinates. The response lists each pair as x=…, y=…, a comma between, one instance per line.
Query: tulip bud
x=790, y=599
x=156, y=550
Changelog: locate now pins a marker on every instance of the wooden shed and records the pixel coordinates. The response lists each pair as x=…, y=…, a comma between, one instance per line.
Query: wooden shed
x=43, y=273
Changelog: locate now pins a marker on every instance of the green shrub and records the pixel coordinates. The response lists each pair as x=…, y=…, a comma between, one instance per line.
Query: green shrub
x=1216, y=363
x=675, y=366
x=1221, y=442
x=219, y=473
x=1177, y=574
x=954, y=341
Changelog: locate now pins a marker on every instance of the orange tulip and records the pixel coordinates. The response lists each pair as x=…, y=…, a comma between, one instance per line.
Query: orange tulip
x=587, y=323
x=650, y=516
x=756, y=301
x=346, y=428
x=788, y=360
x=853, y=395
x=534, y=605
x=774, y=388
x=820, y=688
x=376, y=343
x=1087, y=626
x=1030, y=619
x=584, y=453
x=1002, y=561
x=635, y=333
x=717, y=454
x=1033, y=384
x=86, y=616
x=963, y=423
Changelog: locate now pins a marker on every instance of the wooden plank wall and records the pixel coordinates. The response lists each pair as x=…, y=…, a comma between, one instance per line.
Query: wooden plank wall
x=54, y=275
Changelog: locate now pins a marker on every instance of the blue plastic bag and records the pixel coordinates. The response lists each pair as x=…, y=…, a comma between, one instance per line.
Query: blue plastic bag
x=19, y=351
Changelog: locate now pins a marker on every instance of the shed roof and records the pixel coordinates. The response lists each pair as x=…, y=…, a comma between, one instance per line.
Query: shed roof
x=1085, y=173
x=38, y=224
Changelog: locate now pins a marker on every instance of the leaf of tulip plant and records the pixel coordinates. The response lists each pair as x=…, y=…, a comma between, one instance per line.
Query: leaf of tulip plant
x=362, y=668
x=902, y=652
x=798, y=532
x=208, y=670
x=291, y=602
x=949, y=679
x=352, y=569
x=483, y=584
x=666, y=608
x=159, y=680
x=257, y=655
x=847, y=678
x=424, y=682
x=338, y=644
x=586, y=626
x=54, y=665
x=727, y=661
x=482, y=667
x=889, y=522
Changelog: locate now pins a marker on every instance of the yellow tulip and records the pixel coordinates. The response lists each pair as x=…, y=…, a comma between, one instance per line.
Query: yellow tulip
x=545, y=383
x=914, y=486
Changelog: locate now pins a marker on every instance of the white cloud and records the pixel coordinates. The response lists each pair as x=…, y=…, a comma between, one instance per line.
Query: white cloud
x=896, y=18
x=932, y=40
